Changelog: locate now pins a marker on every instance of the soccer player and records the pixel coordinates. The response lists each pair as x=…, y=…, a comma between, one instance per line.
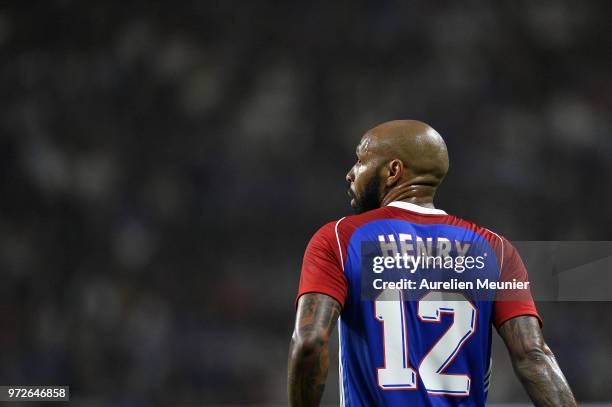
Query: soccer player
x=433, y=348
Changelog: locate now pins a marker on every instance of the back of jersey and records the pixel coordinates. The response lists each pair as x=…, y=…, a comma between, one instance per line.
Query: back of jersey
x=417, y=288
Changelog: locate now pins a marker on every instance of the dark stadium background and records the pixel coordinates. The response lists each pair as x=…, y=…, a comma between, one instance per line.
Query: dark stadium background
x=163, y=165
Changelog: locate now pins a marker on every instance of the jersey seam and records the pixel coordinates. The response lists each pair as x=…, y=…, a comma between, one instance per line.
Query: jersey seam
x=339, y=245
x=501, y=261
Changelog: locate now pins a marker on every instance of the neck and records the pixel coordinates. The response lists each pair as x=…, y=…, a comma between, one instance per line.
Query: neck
x=418, y=194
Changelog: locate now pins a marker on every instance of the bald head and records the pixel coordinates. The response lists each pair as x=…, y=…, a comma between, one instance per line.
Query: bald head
x=420, y=148
x=397, y=160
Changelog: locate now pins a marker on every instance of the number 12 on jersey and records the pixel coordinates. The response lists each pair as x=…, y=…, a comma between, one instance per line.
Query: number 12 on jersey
x=397, y=374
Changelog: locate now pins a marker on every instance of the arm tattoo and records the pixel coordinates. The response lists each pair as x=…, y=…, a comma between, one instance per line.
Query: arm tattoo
x=535, y=364
x=317, y=315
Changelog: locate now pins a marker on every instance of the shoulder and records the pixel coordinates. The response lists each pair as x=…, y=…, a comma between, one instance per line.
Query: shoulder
x=491, y=236
x=337, y=233
x=341, y=229
x=504, y=249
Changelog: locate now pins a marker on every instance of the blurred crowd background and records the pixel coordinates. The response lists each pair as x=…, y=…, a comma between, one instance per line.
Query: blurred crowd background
x=164, y=164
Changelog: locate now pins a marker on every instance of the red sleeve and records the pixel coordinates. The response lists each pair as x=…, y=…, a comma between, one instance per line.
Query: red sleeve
x=512, y=303
x=322, y=269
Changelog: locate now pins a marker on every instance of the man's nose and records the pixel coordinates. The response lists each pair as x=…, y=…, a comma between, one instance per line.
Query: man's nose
x=349, y=175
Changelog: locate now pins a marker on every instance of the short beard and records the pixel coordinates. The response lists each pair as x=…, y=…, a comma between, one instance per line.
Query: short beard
x=370, y=198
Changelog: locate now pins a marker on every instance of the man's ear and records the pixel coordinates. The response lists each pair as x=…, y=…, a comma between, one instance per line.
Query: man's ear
x=395, y=170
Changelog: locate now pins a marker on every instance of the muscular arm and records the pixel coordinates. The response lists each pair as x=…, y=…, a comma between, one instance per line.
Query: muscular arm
x=535, y=364
x=316, y=318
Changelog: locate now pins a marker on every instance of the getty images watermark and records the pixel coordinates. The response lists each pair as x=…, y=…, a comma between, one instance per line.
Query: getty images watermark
x=457, y=264
x=484, y=270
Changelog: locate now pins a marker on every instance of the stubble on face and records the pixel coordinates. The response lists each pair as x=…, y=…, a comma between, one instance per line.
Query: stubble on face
x=370, y=198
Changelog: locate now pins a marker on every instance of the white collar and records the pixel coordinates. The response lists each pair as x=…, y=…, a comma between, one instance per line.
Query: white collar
x=416, y=208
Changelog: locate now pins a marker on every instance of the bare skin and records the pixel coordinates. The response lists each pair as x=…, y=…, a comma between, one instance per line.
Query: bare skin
x=308, y=352
x=534, y=363
x=406, y=160
x=407, y=157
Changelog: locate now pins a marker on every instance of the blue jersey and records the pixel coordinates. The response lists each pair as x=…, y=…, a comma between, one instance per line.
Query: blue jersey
x=418, y=290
